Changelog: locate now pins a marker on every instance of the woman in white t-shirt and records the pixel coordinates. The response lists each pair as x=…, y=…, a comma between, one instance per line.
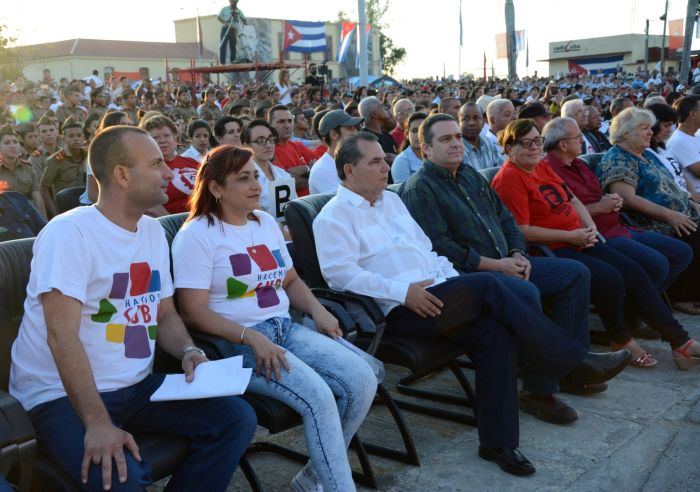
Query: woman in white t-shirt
x=284, y=87
x=201, y=138
x=235, y=280
x=260, y=137
x=666, y=118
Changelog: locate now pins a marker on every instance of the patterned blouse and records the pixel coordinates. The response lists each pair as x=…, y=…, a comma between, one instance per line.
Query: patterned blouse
x=650, y=179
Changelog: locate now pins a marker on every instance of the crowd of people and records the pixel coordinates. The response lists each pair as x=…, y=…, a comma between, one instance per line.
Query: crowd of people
x=601, y=170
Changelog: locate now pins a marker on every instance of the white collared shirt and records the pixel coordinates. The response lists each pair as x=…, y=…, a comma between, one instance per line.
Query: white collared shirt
x=376, y=250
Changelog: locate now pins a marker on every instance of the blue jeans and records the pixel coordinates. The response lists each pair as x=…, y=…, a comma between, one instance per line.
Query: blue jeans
x=328, y=385
x=219, y=429
x=564, y=287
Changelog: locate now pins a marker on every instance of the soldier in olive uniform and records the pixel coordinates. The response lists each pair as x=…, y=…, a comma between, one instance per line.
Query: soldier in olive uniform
x=71, y=106
x=183, y=110
x=161, y=102
x=98, y=102
x=129, y=106
x=28, y=138
x=65, y=168
x=18, y=173
x=48, y=137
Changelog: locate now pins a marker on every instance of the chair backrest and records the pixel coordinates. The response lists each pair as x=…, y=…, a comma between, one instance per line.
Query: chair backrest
x=488, y=173
x=171, y=224
x=300, y=215
x=68, y=198
x=15, y=262
x=592, y=160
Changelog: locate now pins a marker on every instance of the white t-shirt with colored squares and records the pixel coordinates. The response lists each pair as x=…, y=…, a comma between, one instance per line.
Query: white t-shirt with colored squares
x=118, y=276
x=242, y=267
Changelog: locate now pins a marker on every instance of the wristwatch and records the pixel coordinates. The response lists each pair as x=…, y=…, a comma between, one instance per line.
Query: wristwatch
x=515, y=250
x=192, y=348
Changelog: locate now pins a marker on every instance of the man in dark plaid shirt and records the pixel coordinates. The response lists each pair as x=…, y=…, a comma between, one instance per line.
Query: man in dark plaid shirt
x=469, y=224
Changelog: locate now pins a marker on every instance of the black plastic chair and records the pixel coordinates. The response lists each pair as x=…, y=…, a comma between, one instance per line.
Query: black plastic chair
x=68, y=199
x=272, y=414
x=422, y=357
x=592, y=160
x=163, y=453
x=488, y=173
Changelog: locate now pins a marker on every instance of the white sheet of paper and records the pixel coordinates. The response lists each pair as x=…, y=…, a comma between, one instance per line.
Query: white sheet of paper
x=225, y=377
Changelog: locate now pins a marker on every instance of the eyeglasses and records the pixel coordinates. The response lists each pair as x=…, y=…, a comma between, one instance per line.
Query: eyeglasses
x=577, y=137
x=262, y=141
x=531, y=143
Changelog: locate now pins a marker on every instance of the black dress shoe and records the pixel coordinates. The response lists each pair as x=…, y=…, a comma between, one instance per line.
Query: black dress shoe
x=510, y=460
x=598, y=368
x=546, y=407
x=586, y=389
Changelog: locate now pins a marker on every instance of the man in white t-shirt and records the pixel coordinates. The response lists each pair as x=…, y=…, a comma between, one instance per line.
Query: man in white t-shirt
x=99, y=296
x=334, y=126
x=684, y=144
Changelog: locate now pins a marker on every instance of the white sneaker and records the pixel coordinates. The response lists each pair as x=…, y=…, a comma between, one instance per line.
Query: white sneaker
x=305, y=481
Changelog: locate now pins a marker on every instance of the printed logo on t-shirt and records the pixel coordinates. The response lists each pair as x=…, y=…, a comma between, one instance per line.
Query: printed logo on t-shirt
x=551, y=195
x=184, y=178
x=269, y=279
x=137, y=324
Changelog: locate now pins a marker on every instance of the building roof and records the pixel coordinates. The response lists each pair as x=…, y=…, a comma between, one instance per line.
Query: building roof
x=105, y=48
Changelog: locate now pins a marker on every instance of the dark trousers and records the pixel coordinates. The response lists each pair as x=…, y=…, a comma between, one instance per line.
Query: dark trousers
x=685, y=288
x=220, y=430
x=231, y=41
x=629, y=267
x=488, y=320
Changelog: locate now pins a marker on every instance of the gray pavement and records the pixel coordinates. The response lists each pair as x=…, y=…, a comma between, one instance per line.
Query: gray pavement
x=642, y=434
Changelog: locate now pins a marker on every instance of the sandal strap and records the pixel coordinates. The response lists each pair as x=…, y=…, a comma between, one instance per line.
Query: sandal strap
x=683, y=349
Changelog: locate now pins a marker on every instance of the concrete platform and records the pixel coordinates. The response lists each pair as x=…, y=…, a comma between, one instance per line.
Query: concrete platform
x=643, y=434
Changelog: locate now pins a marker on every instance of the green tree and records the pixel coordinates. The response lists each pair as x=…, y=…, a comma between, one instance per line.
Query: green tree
x=391, y=54
x=10, y=60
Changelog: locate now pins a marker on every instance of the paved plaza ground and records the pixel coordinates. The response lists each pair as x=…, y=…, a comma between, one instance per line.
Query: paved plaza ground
x=643, y=434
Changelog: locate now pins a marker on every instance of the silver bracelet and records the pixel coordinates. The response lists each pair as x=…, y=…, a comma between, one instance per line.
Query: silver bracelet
x=192, y=348
x=243, y=333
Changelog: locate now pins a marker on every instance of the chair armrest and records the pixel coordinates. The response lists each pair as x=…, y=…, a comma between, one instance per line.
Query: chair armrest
x=17, y=440
x=368, y=318
x=14, y=415
x=540, y=249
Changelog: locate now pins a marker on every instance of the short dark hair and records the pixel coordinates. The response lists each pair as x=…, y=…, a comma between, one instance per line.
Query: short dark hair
x=348, y=151
x=220, y=126
x=108, y=150
x=685, y=105
x=425, y=132
x=276, y=107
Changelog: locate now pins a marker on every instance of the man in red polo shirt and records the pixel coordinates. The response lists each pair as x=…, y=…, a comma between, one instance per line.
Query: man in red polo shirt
x=293, y=157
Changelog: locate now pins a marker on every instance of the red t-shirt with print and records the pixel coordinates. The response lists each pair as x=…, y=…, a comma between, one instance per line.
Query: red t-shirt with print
x=182, y=184
x=539, y=198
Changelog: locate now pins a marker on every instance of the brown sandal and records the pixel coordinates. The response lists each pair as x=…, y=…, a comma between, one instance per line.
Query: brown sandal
x=689, y=307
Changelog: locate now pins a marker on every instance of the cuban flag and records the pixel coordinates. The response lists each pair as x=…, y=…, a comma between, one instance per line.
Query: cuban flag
x=304, y=37
x=585, y=66
x=346, y=34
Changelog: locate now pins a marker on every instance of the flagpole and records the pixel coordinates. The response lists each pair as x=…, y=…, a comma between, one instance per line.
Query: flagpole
x=362, y=18
x=459, y=65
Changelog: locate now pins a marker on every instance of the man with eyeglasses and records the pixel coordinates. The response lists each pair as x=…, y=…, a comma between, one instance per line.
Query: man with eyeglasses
x=575, y=109
x=476, y=232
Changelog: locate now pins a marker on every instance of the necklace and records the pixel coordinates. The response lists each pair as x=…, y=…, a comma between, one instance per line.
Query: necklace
x=250, y=232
